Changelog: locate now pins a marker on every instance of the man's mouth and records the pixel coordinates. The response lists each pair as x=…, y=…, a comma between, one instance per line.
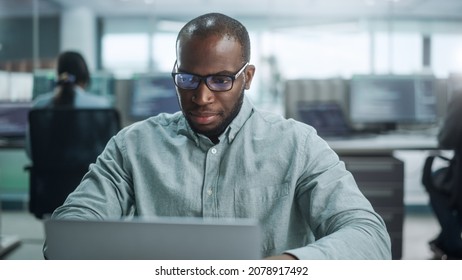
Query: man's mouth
x=203, y=118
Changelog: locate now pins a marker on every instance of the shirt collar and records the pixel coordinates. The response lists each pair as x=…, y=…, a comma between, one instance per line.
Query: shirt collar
x=239, y=121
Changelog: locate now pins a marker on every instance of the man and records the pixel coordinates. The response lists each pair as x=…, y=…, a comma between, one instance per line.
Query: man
x=221, y=157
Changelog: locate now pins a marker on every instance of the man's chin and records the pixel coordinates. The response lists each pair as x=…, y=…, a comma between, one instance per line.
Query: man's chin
x=210, y=132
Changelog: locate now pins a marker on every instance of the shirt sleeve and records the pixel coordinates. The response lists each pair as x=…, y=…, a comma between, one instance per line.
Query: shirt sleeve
x=106, y=191
x=344, y=224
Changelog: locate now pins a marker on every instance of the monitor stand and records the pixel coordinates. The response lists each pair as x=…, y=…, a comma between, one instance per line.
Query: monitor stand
x=389, y=126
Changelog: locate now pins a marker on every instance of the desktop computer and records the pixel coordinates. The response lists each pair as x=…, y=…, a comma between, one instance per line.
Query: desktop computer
x=101, y=83
x=388, y=101
x=152, y=94
x=13, y=119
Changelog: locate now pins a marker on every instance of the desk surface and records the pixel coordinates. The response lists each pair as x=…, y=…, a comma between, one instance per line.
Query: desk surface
x=17, y=142
x=383, y=144
x=371, y=144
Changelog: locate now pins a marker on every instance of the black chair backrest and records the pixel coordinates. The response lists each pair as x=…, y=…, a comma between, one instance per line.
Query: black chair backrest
x=446, y=180
x=457, y=200
x=70, y=136
x=64, y=142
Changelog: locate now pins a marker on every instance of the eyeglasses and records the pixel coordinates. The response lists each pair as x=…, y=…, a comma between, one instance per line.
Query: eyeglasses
x=216, y=82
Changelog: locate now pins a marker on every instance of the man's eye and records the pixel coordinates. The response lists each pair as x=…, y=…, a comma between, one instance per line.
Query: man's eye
x=220, y=79
x=188, y=78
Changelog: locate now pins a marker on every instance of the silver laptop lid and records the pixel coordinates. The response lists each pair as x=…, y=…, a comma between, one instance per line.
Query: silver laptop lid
x=154, y=239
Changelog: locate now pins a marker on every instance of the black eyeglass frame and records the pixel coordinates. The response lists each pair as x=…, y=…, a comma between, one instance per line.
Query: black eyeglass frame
x=206, y=78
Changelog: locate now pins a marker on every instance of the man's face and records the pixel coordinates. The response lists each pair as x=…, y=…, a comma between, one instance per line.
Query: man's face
x=209, y=112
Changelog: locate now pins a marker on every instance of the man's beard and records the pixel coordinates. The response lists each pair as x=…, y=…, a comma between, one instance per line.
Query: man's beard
x=217, y=131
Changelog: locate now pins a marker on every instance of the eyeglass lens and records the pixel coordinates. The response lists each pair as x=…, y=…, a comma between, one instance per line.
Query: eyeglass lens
x=213, y=82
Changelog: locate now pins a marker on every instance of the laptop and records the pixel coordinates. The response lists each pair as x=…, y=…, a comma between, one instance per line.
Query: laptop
x=153, y=239
x=327, y=117
x=8, y=243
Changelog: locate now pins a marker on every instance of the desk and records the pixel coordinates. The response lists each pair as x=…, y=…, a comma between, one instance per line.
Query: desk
x=8, y=143
x=380, y=175
x=384, y=144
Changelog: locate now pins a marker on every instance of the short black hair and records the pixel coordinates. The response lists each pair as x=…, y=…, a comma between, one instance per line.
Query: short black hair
x=220, y=25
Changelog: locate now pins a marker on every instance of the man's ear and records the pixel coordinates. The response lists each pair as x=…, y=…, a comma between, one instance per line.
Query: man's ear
x=249, y=73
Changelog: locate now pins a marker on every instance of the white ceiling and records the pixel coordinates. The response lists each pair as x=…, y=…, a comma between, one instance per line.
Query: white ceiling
x=264, y=11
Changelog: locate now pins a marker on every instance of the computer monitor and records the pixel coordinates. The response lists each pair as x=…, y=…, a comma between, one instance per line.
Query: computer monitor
x=44, y=82
x=13, y=119
x=152, y=94
x=102, y=84
x=387, y=101
x=327, y=117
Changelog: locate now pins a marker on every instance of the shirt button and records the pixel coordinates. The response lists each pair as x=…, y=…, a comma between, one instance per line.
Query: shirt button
x=214, y=151
x=209, y=192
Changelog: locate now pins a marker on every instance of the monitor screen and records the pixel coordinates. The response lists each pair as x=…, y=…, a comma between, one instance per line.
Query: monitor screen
x=44, y=82
x=391, y=99
x=14, y=118
x=326, y=117
x=153, y=94
x=102, y=84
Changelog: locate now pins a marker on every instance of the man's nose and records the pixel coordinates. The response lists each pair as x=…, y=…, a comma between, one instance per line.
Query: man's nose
x=203, y=95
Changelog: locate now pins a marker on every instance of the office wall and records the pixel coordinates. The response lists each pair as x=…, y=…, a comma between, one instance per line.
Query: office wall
x=16, y=38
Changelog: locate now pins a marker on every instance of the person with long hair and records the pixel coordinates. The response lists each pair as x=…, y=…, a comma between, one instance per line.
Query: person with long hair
x=73, y=77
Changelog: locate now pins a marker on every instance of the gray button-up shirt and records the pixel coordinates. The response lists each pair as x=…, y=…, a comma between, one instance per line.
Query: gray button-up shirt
x=265, y=167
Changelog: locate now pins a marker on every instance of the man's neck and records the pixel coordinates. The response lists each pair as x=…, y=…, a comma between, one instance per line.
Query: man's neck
x=214, y=139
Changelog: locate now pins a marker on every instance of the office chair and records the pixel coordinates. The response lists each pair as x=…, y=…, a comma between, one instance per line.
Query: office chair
x=444, y=187
x=63, y=143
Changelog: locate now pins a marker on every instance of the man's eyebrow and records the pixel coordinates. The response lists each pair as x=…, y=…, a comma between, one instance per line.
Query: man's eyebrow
x=223, y=72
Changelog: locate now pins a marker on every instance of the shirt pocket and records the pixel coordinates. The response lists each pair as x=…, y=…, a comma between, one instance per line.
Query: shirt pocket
x=260, y=201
